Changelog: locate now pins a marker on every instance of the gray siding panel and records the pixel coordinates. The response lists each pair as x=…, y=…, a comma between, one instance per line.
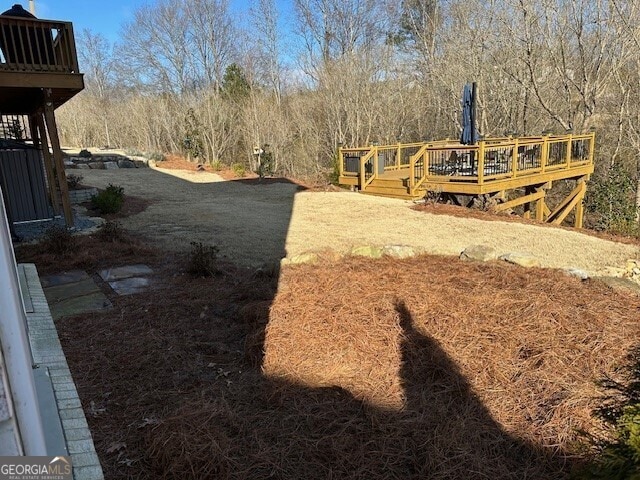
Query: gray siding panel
x=23, y=180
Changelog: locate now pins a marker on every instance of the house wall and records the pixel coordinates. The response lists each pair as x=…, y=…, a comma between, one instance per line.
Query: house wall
x=23, y=415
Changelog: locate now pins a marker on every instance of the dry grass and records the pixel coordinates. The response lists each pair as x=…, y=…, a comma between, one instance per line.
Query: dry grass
x=423, y=368
x=464, y=212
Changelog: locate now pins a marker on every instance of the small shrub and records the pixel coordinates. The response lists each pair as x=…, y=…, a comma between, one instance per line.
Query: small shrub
x=73, y=181
x=84, y=153
x=239, y=170
x=265, y=162
x=110, y=200
x=216, y=165
x=334, y=174
x=111, y=232
x=619, y=454
x=203, y=261
x=58, y=240
x=611, y=202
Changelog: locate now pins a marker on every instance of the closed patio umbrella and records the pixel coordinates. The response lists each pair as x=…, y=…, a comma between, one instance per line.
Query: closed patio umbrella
x=469, y=131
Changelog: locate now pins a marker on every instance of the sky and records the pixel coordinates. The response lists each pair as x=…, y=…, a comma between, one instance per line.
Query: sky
x=108, y=16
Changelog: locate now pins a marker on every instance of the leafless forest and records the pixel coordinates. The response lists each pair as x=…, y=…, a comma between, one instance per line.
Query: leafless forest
x=194, y=78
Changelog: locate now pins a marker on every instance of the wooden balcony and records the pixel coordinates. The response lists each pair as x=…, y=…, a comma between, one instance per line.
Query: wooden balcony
x=36, y=55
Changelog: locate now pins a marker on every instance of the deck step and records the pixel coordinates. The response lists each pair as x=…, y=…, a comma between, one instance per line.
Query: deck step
x=406, y=196
x=390, y=182
x=392, y=192
x=386, y=190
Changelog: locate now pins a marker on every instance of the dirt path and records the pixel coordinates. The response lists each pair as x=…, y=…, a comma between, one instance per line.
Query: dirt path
x=254, y=223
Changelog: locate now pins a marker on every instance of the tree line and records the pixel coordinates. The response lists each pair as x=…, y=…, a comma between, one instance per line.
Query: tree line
x=190, y=77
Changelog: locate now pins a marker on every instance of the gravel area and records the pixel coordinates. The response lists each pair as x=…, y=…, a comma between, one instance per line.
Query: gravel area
x=30, y=231
x=255, y=223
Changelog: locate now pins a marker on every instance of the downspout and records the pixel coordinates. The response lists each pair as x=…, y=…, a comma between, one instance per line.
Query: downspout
x=15, y=347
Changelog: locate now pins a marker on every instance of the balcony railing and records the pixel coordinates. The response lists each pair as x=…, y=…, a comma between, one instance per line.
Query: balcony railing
x=488, y=160
x=29, y=46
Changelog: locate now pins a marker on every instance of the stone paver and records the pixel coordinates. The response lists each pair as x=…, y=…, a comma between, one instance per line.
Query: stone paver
x=76, y=305
x=130, y=286
x=64, y=277
x=127, y=280
x=128, y=271
x=73, y=293
x=58, y=293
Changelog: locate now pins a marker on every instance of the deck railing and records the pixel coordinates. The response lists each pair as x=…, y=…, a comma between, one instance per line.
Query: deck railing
x=489, y=159
x=29, y=46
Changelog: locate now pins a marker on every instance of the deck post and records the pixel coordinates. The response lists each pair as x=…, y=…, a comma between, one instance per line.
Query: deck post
x=527, y=206
x=340, y=162
x=398, y=156
x=412, y=177
x=514, y=158
x=50, y=121
x=545, y=152
x=375, y=162
x=580, y=206
x=40, y=140
x=569, y=148
x=481, y=162
x=540, y=204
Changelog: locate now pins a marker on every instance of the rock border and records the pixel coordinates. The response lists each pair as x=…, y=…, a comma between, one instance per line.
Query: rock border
x=106, y=162
x=630, y=275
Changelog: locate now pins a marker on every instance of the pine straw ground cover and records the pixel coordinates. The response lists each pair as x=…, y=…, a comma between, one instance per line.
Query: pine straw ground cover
x=422, y=368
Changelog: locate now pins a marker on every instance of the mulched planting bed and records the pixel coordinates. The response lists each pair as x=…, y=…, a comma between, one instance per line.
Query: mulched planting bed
x=422, y=368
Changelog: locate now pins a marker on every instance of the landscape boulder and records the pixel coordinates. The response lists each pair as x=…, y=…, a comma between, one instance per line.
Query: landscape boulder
x=398, y=251
x=367, y=251
x=522, y=259
x=479, y=253
x=126, y=163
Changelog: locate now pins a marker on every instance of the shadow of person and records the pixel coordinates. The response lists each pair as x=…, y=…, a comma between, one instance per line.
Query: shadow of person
x=272, y=428
x=455, y=433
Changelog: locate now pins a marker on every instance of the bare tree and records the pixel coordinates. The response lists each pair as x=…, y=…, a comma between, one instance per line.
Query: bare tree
x=212, y=38
x=156, y=47
x=332, y=28
x=265, y=32
x=96, y=58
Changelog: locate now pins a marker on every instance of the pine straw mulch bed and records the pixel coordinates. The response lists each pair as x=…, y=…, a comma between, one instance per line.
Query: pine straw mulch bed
x=422, y=368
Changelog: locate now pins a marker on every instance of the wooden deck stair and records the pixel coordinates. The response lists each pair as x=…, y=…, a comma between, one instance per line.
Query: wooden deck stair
x=392, y=187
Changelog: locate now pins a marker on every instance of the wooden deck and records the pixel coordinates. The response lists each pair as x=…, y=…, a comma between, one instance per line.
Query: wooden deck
x=38, y=73
x=36, y=55
x=492, y=167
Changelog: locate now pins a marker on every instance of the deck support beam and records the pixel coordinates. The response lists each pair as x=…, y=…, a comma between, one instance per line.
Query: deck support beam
x=573, y=200
x=524, y=200
x=58, y=159
x=39, y=137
